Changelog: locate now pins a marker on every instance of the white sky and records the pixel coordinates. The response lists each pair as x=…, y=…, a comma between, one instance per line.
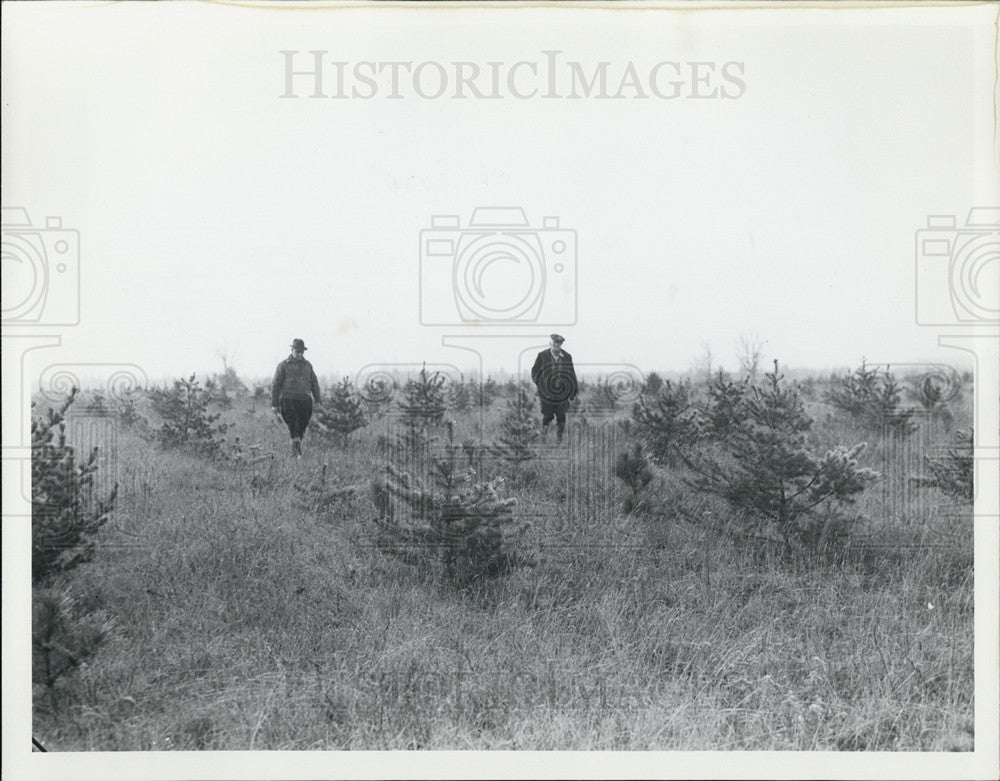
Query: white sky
x=215, y=216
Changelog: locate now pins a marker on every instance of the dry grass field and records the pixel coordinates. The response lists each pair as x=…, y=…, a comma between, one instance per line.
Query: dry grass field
x=249, y=603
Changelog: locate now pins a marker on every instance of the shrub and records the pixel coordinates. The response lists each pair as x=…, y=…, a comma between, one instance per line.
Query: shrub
x=633, y=469
x=342, y=413
x=65, y=514
x=665, y=423
x=423, y=400
x=460, y=397
x=128, y=411
x=954, y=473
x=377, y=393
x=261, y=392
x=187, y=421
x=485, y=393
x=872, y=398
x=749, y=446
x=229, y=383
x=451, y=519
x=518, y=429
x=936, y=391
x=321, y=497
x=654, y=382
x=65, y=519
x=64, y=634
x=603, y=396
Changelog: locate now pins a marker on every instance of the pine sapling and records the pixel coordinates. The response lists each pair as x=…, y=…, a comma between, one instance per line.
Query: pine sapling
x=187, y=419
x=460, y=397
x=953, y=473
x=65, y=514
x=518, y=429
x=633, y=468
x=377, y=394
x=451, y=518
x=665, y=423
x=752, y=450
x=872, y=397
x=342, y=412
x=423, y=403
x=66, y=517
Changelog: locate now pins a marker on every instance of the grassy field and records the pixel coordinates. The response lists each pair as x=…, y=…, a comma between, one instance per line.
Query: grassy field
x=246, y=618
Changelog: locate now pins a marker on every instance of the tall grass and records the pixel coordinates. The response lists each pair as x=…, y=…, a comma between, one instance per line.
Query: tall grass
x=247, y=618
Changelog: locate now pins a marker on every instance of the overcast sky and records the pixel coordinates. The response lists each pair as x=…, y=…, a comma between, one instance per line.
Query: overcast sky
x=217, y=217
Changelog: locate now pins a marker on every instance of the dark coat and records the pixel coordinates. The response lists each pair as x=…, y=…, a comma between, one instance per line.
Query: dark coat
x=294, y=379
x=555, y=380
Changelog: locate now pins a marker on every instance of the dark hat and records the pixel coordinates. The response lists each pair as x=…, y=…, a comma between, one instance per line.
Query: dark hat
x=298, y=344
x=557, y=338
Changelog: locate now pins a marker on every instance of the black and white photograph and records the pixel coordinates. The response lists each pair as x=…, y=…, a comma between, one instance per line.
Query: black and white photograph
x=500, y=390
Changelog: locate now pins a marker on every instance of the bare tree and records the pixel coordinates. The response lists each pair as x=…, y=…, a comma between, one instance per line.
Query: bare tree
x=702, y=365
x=749, y=351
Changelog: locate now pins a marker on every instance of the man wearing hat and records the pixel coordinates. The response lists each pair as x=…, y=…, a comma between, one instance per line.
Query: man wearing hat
x=294, y=381
x=555, y=378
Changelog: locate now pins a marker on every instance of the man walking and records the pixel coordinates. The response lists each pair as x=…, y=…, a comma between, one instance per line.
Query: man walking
x=555, y=378
x=294, y=381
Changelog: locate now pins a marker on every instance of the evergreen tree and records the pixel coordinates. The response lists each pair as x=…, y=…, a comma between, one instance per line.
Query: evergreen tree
x=872, y=398
x=341, y=413
x=65, y=514
x=423, y=402
x=485, y=392
x=753, y=451
x=451, y=518
x=460, y=396
x=65, y=519
x=377, y=394
x=749, y=445
x=518, y=429
x=603, y=396
x=633, y=469
x=665, y=424
x=187, y=421
x=654, y=382
x=954, y=473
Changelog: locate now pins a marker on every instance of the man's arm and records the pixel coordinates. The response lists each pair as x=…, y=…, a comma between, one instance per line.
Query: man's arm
x=315, y=385
x=536, y=370
x=574, y=386
x=277, y=383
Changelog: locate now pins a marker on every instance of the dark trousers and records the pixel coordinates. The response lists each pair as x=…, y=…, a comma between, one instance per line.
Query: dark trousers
x=296, y=414
x=557, y=410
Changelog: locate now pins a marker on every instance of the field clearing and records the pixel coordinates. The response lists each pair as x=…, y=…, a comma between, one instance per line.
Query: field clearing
x=247, y=616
